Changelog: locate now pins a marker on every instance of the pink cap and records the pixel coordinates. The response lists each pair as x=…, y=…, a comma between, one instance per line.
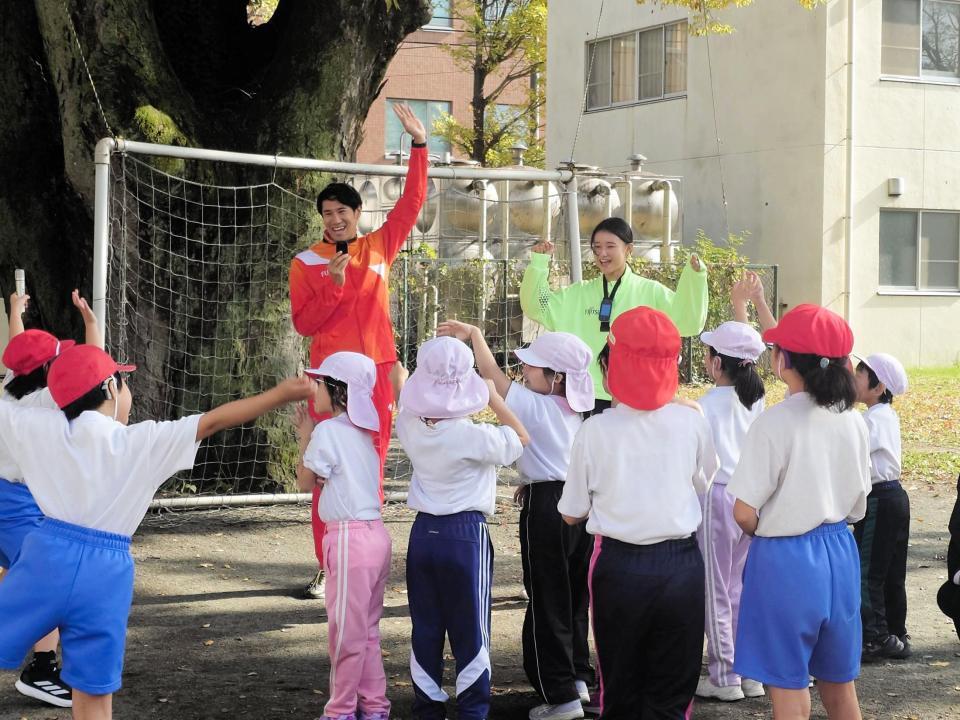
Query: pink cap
x=360, y=375
x=735, y=339
x=567, y=354
x=444, y=385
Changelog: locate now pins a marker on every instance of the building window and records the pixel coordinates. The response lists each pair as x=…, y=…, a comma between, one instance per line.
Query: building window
x=919, y=250
x=650, y=64
x=442, y=18
x=427, y=111
x=921, y=38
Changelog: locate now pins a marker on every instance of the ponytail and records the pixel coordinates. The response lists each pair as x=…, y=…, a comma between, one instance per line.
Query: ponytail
x=743, y=374
x=828, y=380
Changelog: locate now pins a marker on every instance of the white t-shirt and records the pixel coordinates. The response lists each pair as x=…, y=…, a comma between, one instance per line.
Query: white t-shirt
x=9, y=469
x=552, y=426
x=636, y=474
x=94, y=471
x=729, y=421
x=344, y=454
x=802, y=465
x=455, y=462
x=884, y=428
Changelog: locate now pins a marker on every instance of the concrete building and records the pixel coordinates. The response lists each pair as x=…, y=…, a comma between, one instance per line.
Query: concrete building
x=423, y=74
x=771, y=137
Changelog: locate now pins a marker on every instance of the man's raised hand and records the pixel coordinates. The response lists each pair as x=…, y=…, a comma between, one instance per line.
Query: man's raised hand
x=411, y=123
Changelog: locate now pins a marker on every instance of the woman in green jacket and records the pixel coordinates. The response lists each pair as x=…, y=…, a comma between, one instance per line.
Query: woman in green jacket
x=587, y=308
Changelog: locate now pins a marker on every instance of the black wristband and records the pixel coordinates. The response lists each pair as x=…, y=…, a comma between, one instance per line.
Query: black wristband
x=416, y=144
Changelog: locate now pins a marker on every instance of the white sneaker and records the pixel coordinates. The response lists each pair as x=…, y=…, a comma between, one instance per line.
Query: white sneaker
x=566, y=711
x=317, y=589
x=729, y=693
x=751, y=688
x=582, y=690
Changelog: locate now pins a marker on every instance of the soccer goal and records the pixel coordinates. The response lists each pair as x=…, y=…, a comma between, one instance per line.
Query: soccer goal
x=192, y=251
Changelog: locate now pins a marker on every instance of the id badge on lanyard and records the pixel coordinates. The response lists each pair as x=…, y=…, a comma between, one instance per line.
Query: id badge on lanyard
x=606, y=305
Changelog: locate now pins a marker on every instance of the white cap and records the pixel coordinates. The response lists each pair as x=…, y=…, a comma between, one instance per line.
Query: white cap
x=735, y=339
x=889, y=371
x=360, y=375
x=567, y=354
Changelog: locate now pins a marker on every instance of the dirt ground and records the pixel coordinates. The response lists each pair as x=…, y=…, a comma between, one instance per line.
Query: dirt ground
x=218, y=629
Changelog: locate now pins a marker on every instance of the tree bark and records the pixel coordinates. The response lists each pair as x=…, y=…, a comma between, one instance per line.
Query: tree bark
x=181, y=72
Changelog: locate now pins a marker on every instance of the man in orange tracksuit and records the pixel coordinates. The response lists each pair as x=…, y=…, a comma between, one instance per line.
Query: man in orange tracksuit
x=341, y=299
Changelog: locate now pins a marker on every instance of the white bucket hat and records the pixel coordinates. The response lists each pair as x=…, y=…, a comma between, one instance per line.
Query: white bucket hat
x=565, y=353
x=444, y=385
x=889, y=371
x=735, y=339
x=360, y=375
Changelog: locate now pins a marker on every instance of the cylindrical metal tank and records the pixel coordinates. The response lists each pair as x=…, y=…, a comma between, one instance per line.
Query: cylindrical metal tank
x=647, y=216
x=428, y=213
x=460, y=204
x=526, y=206
x=596, y=201
x=370, y=210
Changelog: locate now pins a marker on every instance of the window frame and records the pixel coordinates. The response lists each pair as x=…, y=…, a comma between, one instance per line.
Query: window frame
x=920, y=77
x=430, y=27
x=664, y=95
x=389, y=154
x=917, y=289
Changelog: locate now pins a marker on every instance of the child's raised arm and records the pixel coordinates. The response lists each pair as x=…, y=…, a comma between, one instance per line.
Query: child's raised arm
x=238, y=412
x=505, y=415
x=486, y=363
x=92, y=334
x=15, y=309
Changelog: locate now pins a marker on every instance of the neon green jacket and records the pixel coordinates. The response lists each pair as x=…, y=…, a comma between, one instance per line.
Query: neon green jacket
x=576, y=309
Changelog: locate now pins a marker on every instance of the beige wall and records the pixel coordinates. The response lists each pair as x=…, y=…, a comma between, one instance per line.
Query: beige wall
x=780, y=87
x=908, y=130
x=767, y=87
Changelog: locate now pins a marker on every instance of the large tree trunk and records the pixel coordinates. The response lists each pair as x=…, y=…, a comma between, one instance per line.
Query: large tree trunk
x=176, y=71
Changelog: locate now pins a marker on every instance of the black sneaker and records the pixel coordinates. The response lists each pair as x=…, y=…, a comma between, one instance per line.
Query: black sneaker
x=41, y=681
x=890, y=648
x=907, y=649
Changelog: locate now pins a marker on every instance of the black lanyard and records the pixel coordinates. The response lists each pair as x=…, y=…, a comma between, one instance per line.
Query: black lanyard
x=606, y=305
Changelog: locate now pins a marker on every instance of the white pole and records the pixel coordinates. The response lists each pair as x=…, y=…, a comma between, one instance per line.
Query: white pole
x=573, y=230
x=331, y=166
x=547, y=217
x=851, y=117
x=505, y=220
x=666, y=250
x=214, y=501
x=101, y=231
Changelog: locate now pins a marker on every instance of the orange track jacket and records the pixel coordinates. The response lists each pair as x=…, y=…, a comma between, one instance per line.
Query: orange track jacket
x=356, y=317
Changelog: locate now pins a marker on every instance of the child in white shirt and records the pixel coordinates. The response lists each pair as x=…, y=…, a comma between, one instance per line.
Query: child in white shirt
x=730, y=407
x=884, y=532
x=453, y=488
x=338, y=454
x=555, y=556
x=803, y=475
x=635, y=474
x=27, y=358
x=93, y=477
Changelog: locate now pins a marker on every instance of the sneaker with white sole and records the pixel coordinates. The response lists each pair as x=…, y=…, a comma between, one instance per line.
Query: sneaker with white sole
x=728, y=693
x=317, y=589
x=751, y=688
x=40, y=680
x=582, y=690
x=572, y=710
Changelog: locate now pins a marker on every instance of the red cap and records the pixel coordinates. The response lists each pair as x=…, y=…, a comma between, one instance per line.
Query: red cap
x=812, y=330
x=78, y=371
x=644, y=349
x=32, y=349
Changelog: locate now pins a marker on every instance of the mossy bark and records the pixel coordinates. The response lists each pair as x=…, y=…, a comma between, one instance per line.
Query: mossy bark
x=173, y=71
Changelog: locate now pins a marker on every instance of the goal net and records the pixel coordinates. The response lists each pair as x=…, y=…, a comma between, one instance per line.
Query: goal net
x=198, y=296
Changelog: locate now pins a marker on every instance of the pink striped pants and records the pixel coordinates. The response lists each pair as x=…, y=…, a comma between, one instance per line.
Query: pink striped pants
x=357, y=560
